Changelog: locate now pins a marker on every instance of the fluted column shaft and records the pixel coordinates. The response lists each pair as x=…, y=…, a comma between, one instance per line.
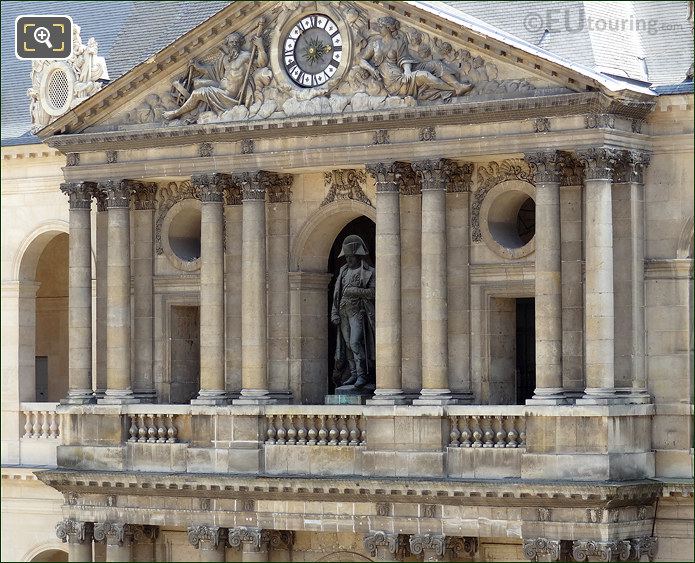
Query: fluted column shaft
x=80, y=293
x=548, y=286
x=143, y=298
x=388, y=285
x=278, y=245
x=118, y=376
x=212, y=390
x=232, y=329
x=435, y=349
x=254, y=323
x=598, y=311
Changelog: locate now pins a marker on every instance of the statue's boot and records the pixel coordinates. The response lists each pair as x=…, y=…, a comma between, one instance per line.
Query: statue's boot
x=361, y=382
x=351, y=380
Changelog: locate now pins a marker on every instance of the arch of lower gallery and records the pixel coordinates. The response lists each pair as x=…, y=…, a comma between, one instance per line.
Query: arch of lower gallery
x=42, y=282
x=46, y=554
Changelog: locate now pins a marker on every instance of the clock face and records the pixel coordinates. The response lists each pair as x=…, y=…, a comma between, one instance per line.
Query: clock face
x=312, y=51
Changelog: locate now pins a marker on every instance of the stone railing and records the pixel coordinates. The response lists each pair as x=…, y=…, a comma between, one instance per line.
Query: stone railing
x=315, y=429
x=41, y=421
x=152, y=428
x=486, y=427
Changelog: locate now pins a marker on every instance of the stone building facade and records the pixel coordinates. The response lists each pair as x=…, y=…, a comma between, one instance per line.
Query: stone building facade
x=169, y=249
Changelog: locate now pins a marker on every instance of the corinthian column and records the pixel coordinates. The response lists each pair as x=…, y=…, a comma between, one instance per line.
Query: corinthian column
x=102, y=249
x=143, y=543
x=118, y=538
x=80, y=293
x=388, y=286
x=279, y=195
x=143, y=301
x=232, y=291
x=598, y=311
x=433, y=176
x=210, y=542
x=212, y=390
x=78, y=536
x=548, y=287
x=118, y=380
x=254, y=321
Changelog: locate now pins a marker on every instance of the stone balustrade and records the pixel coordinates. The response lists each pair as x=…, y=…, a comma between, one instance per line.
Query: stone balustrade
x=487, y=427
x=152, y=428
x=40, y=421
x=316, y=429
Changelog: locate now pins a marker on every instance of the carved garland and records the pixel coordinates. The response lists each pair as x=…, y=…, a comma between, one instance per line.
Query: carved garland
x=345, y=184
x=488, y=177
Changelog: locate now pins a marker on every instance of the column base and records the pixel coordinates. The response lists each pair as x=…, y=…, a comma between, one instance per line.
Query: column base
x=146, y=395
x=463, y=397
x=118, y=397
x=255, y=397
x=639, y=397
x=79, y=397
x=601, y=396
x=100, y=393
x=548, y=396
x=282, y=397
x=388, y=397
x=435, y=397
x=215, y=397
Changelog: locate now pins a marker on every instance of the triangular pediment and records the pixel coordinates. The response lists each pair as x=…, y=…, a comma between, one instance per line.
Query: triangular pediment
x=258, y=61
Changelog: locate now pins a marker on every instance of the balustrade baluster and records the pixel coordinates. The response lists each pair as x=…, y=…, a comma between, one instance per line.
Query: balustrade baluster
x=322, y=431
x=363, y=435
x=312, y=433
x=27, y=424
x=343, y=434
x=161, y=430
x=151, y=430
x=301, y=431
x=354, y=431
x=142, y=429
x=488, y=433
x=36, y=429
x=53, y=426
x=522, y=433
x=44, y=424
x=171, y=429
x=133, y=431
x=281, y=432
x=501, y=434
x=465, y=433
x=477, y=433
x=291, y=431
x=333, y=431
x=454, y=435
x=512, y=435
x=271, y=430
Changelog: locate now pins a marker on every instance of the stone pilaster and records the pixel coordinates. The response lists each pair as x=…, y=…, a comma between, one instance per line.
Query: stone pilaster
x=143, y=542
x=278, y=212
x=388, y=287
x=548, y=286
x=78, y=536
x=101, y=260
x=628, y=257
x=583, y=550
x=118, y=538
x=384, y=546
x=542, y=549
x=209, y=540
x=232, y=291
x=212, y=384
x=254, y=323
x=118, y=378
x=598, y=309
x=80, y=293
x=143, y=298
x=434, y=176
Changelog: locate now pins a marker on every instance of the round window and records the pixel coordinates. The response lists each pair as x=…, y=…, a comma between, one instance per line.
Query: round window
x=57, y=89
x=181, y=235
x=508, y=219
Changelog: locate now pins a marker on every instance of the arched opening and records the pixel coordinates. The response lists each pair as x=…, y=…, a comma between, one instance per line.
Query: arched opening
x=365, y=228
x=43, y=318
x=51, y=555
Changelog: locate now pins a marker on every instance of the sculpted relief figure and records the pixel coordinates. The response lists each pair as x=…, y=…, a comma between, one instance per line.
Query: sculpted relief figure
x=389, y=59
x=353, y=313
x=235, y=78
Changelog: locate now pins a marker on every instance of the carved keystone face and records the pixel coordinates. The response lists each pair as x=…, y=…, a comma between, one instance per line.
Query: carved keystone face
x=313, y=50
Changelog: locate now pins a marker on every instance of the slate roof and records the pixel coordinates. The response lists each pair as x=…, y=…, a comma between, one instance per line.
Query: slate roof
x=652, y=45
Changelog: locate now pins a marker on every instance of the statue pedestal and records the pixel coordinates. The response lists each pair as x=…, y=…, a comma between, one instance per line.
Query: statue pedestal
x=349, y=395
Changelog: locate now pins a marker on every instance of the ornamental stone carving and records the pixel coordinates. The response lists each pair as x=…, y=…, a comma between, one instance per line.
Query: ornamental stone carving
x=57, y=86
x=345, y=184
x=100, y=198
x=541, y=125
x=599, y=121
x=419, y=543
x=79, y=193
x=542, y=549
x=443, y=174
x=603, y=550
x=381, y=137
x=598, y=162
x=144, y=195
x=428, y=133
x=111, y=157
x=385, y=542
x=488, y=177
x=385, y=176
x=570, y=170
x=253, y=537
x=117, y=193
x=205, y=150
x=280, y=188
x=72, y=159
x=113, y=533
x=247, y=146
x=74, y=531
x=280, y=539
x=644, y=547
x=630, y=167
x=207, y=538
x=210, y=187
x=543, y=166
x=144, y=534
x=462, y=547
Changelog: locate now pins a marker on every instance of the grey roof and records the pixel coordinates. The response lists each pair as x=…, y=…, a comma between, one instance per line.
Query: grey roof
x=652, y=42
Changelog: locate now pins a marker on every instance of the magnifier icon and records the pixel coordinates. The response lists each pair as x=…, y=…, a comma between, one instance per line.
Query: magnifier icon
x=42, y=35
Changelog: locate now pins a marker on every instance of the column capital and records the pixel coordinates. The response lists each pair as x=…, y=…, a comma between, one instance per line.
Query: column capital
x=206, y=537
x=211, y=186
x=598, y=162
x=546, y=549
x=279, y=187
x=113, y=533
x=80, y=193
x=435, y=543
x=232, y=193
x=646, y=546
x=143, y=195
x=280, y=539
x=630, y=166
x=74, y=531
x=385, y=542
x=100, y=197
x=117, y=193
x=385, y=176
x=444, y=174
x=249, y=537
x=570, y=170
x=145, y=534
x=253, y=184
x=604, y=550
x=462, y=547
x=544, y=165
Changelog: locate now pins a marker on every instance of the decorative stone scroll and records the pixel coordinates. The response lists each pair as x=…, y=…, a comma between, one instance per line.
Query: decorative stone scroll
x=383, y=64
x=345, y=184
x=598, y=162
x=420, y=543
x=113, y=533
x=375, y=542
x=80, y=193
x=74, y=531
x=603, y=550
x=207, y=538
x=630, y=167
x=644, y=547
x=542, y=549
x=145, y=534
x=144, y=195
x=117, y=193
x=247, y=535
x=488, y=177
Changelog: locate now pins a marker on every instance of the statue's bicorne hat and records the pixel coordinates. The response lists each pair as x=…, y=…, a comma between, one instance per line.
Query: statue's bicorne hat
x=353, y=246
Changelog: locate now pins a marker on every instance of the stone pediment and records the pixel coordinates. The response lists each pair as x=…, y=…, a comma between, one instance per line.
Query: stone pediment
x=267, y=61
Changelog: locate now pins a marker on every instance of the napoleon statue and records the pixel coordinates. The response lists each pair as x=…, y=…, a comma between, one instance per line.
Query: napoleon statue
x=353, y=313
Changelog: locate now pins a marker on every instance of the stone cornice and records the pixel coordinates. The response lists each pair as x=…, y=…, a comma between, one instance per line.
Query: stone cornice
x=453, y=491
x=460, y=114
